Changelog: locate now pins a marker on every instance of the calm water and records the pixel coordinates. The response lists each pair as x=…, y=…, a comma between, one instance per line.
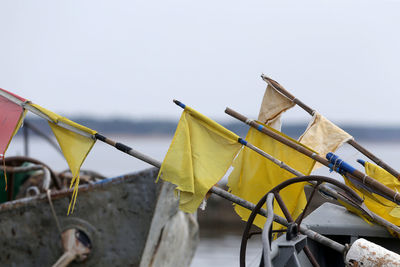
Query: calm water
x=217, y=251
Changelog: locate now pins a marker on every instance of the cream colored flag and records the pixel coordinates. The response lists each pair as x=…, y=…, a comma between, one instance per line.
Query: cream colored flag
x=272, y=107
x=323, y=136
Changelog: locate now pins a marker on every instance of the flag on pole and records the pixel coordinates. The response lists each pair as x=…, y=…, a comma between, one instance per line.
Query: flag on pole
x=74, y=146
x=272, y=107
x=200, y=154
x=11, y=118
x=254, y=175
x=323, y=136
x=376, y=203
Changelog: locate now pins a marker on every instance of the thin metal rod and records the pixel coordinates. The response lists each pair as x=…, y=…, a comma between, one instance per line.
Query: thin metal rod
x=352, y=142
x=357, y=175
x=374, y=158
x=283, y=207
x=310, y=256
x=128, y=150
x=301, y=216
x=274, y=160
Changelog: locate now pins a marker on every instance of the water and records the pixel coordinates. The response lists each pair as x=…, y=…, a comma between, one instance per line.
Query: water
x=221, y=250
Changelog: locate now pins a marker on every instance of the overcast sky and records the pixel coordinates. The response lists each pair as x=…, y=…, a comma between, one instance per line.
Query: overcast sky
x=131, y=58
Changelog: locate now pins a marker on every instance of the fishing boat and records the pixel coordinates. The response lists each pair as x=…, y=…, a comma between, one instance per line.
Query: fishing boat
x=124, y=221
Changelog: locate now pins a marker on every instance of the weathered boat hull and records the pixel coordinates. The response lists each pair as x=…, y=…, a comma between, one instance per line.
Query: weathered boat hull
x=128, y=220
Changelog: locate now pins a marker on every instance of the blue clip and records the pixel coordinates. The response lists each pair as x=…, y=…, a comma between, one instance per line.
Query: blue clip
x=242, y=141
x=338, y=164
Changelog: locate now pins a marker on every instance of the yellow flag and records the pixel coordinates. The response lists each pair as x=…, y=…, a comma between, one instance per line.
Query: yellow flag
x=377, y=204
x=74, y=146
x=323, y=136
x=198, y=157
x=253, y=175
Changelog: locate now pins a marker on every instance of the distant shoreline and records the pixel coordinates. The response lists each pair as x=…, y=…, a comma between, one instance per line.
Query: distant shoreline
x=164, y=128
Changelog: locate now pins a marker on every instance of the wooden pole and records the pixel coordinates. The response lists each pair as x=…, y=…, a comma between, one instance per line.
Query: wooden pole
x=357, y=175
x=354, y=200
x=353, y=143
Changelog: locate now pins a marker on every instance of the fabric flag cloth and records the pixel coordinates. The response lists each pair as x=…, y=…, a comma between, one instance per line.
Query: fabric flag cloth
x=74, y=146
x=323, y=136
x=272, y=107
x=11, y=118
x=254, y=175
x=198, y=157
x=376, y=203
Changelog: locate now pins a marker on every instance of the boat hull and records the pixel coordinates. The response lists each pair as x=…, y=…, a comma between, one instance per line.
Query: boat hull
x=124, y=218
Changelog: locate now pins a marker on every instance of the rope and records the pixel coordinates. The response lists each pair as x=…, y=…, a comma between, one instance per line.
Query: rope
x=53, y=211
x=203, y=204
x=365, y=176
x=335, y=167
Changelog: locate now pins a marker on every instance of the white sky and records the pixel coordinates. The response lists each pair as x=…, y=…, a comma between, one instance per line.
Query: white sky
x=131, y=58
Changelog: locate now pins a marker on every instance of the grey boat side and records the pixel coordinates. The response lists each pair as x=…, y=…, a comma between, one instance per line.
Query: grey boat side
x=130, y=221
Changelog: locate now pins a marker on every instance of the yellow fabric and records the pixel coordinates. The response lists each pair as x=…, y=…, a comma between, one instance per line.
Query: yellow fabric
x=75, y=148
x=272, y=106
x=323, y=136
x=21, y=120
x=354, y=210
x=53, y=116
x=198, y=157
x=377, y=204
x=57, y=118
x=253, y=175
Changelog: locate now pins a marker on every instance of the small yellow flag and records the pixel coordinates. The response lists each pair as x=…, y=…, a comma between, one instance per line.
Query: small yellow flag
x=254, y=175
x=377, y=204
x=74, y=146
x=198, y=157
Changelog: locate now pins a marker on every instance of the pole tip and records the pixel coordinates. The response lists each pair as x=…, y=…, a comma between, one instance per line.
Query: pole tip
x=179, y=103
x=362, y=162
